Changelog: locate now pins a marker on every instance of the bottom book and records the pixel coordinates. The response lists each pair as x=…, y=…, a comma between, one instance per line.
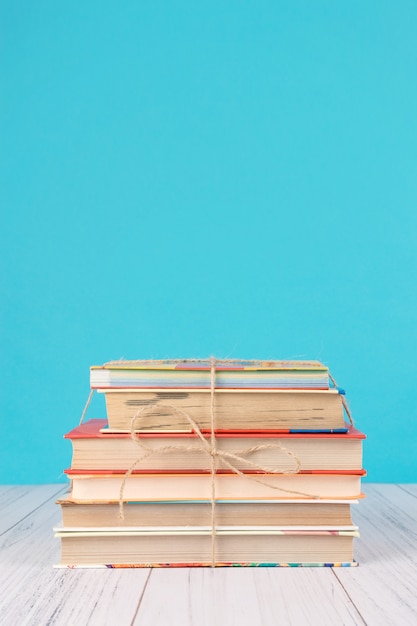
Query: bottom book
x=208, y=564
x=193, y=547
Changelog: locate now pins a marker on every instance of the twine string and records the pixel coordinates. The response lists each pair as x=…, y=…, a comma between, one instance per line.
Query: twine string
x=205, y=446
x=229, y=459
x=213, y=460
x=344, y=403
x=86, y=406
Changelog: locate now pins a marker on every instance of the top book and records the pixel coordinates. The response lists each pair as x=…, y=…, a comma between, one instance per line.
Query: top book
x=197, y=374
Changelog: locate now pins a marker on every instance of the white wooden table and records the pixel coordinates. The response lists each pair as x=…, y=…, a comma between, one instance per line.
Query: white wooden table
x=382, y=590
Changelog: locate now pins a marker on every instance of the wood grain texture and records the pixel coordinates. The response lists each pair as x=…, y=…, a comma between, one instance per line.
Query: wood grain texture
x=33, y=593
x=17, y=502
x=382, y=590
x=85, y=597
x=384, y=586
x=245, y=597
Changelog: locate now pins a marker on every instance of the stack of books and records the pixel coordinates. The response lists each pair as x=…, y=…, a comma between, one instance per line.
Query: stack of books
x=213, y=463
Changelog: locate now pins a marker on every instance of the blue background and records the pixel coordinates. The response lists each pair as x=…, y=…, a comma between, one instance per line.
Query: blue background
x=182, y=179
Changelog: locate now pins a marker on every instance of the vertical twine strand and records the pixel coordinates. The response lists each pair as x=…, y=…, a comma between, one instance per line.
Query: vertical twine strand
x=86, y=406
x=213, y=460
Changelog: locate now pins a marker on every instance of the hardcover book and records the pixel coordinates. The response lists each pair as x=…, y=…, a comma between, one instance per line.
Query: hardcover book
x=194, y=546
x=243, y=409
x=105, y=485
x=94, y=448
x=190, y=373
x=333, y=513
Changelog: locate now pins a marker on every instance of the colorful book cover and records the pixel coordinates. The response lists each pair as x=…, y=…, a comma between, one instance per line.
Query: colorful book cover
x=197, y=374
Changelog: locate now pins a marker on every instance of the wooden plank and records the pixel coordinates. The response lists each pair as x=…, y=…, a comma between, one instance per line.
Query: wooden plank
x=32, y=592
x=410, y=489
x=81, y=597
x=18, y=502
x=245, y=596
x=5, y=488
x=384, y=587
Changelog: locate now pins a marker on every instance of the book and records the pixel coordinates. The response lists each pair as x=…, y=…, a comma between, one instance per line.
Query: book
x=191, y=373
x=243, y=409
x=94, y=448
x=193, y=546
x=334, y=513
x=104, y=485
x=201, y=564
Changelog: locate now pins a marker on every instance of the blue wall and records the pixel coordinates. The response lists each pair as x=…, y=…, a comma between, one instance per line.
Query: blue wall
x=187, y=179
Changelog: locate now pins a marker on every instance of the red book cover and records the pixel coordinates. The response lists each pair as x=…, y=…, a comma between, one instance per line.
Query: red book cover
x=101, y=453
x=93, y=428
